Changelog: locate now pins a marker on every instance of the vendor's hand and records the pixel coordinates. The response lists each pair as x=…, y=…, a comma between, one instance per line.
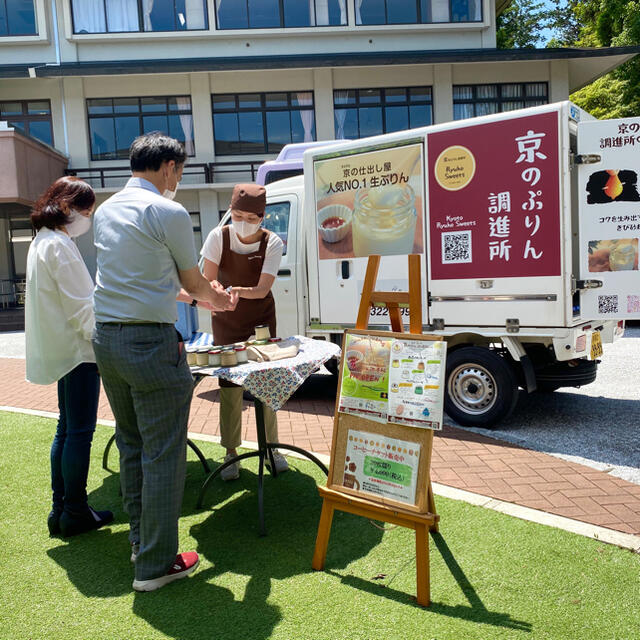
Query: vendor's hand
x=220, y=300
x=217, y=286
x=235, y=296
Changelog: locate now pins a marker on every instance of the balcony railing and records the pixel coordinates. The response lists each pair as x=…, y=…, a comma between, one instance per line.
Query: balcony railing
x=202, y=173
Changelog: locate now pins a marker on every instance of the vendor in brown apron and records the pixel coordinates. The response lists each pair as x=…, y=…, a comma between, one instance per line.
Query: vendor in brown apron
x=245, y=257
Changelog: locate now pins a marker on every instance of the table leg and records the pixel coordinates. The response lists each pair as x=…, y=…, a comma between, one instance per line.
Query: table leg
x=105, y=455
x=217, y=470
x=262, y=436
x=291, y=447
x=263, y=531
x=200, y=455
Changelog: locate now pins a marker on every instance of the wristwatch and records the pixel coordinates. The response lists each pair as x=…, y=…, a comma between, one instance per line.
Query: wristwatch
x=194, y=303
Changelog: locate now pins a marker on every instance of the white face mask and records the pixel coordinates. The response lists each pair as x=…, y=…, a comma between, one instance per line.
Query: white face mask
x=79, y=224
x=168, y=193
x=244, y=229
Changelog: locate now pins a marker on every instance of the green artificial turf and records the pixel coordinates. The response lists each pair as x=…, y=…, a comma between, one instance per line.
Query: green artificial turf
x=492, y=576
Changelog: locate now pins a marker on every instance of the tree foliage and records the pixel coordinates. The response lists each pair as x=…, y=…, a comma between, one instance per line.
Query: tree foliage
x=602, y=23
x=582, y=23
x=521, y=24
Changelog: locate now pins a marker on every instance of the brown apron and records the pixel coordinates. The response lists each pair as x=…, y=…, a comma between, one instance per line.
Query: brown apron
x=242, y=270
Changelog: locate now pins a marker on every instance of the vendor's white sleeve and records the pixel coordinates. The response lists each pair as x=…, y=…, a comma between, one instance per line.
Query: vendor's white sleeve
x=212, y=247
x=273, y=255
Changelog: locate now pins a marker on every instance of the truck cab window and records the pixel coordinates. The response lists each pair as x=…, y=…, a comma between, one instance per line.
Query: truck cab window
x=276, y=219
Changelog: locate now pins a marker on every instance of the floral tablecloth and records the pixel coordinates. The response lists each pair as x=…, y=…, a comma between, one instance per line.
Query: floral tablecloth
x=274, y=382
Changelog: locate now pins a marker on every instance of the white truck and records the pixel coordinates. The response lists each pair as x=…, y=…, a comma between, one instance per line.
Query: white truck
x=493, y=205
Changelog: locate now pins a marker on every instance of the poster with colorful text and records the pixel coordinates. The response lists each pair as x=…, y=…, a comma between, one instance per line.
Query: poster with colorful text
x=610, y=218
x=385, y=467
x=394, y=380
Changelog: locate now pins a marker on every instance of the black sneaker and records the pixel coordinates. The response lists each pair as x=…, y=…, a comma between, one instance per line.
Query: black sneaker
x=73, y=525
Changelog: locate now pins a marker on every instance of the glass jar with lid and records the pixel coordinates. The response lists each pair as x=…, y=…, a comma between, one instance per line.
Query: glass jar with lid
x=384, y=221
x=241, y=354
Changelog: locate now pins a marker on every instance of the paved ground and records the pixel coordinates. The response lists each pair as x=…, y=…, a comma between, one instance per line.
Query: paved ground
x=461, y=459
x=596, y=425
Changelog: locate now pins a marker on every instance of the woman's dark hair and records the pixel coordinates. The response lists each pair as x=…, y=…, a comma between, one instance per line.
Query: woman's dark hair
x=64, y=194
x=149, y=151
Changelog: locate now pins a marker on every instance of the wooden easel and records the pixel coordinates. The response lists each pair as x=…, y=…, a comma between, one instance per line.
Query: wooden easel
x=421, y=523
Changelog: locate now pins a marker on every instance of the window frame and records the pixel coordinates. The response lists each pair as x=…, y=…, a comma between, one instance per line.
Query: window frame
x=419, y=20
x=29, y=118
x=196, y=226
x=382, y=104
x=141, y=29
x=499, y=99
x=36, y=23
x=140, y=114
x=264, y=110
x=282, y=19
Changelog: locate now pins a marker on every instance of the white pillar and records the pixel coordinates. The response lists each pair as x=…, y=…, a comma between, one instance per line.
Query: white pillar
x=77, y=126
x=442, y=93
x=202, y=118
x=558, y=80
x=323, y=96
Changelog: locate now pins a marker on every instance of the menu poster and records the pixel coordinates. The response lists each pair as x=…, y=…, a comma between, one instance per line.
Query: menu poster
x=382, y=466
x=365, y=378
x=415, y=381
x=393, y=380
x=609, y=208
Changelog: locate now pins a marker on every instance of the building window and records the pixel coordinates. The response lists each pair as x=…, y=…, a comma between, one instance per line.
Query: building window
x=17, y=18
x=31, y=117
x=261, y=122
x=122, y=16
x=268, y=14
x=115, y=122
x=360, y=113
x=197, y=229
x=481, y=99
x=417, y=11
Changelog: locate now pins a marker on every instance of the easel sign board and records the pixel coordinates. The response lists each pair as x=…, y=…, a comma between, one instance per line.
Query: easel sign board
x=374, y=455
x=393, y=377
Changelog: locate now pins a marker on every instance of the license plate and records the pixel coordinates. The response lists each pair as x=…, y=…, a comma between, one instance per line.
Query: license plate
x=596, y=345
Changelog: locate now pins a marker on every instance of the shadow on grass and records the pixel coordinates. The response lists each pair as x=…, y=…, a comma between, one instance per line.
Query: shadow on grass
x=475, y=612
x=196, y=608
x=229, y=538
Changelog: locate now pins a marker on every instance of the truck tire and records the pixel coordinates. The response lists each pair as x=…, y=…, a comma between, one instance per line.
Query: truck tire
x=481, y=387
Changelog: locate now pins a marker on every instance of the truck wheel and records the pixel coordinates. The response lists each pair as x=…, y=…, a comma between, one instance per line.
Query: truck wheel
x=481, y=387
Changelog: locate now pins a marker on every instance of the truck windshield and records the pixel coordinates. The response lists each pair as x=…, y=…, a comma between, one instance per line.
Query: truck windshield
x=276, y=219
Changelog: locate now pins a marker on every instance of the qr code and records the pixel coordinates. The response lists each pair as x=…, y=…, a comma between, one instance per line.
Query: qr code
x=607, y=304
x=633, y=304
x=456, y=247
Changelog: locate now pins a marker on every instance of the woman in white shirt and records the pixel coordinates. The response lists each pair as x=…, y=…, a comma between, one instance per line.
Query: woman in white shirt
x=246, y=258
x=59, y=323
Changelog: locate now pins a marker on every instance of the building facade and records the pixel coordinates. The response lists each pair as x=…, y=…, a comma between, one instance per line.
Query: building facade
x=235, y=80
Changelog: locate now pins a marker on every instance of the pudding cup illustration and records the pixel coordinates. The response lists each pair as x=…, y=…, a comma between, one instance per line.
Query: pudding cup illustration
x=384, y=221
x=622, y=256
x=367, y=360
x=334, y=222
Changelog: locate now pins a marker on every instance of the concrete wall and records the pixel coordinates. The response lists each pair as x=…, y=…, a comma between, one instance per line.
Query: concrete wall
x=28, y=168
